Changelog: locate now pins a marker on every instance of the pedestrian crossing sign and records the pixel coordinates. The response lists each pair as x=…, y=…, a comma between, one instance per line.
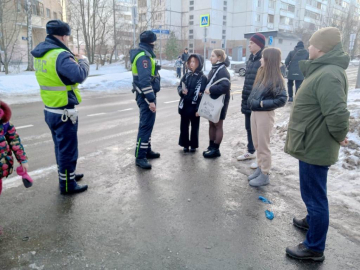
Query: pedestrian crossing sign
x=205, y=20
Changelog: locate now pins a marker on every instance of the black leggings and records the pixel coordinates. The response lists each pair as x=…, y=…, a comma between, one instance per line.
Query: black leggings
x=216, y=132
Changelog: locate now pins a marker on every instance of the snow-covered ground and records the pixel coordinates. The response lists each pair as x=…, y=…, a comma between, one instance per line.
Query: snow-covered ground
x=22, y=87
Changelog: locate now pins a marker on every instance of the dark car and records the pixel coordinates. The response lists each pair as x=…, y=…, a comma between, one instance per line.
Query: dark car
x=241, y=69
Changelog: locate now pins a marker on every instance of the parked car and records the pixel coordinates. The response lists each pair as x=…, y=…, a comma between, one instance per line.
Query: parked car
x=241, y=69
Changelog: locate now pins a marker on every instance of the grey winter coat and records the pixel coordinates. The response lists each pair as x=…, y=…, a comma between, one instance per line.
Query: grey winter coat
x=292, y=62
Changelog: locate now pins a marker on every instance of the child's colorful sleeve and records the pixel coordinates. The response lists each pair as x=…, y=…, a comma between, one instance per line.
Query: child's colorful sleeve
x=14, y=142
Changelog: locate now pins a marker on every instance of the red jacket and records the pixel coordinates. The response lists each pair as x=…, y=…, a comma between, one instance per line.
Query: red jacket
x=9, y=142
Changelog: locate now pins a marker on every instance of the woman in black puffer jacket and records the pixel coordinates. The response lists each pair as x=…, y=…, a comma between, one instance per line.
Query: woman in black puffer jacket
x=219, y=62
x=268, y=94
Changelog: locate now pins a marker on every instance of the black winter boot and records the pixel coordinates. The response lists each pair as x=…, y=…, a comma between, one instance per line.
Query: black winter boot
x=213, y=152
x=143, y=163
x=77, y=189
x=301, y=223
x=301, y=252
x=78, y=177
x=152, y=155
x=211, y=145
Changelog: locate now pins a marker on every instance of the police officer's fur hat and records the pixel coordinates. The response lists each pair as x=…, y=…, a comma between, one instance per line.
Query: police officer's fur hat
x=148, y=37
x=58, y=28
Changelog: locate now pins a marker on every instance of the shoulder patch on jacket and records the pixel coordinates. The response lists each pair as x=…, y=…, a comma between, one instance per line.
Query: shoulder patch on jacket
x=145, y=63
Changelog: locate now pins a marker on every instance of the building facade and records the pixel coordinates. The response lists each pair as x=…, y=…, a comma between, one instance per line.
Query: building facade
x=230, y=20
x=42, y=12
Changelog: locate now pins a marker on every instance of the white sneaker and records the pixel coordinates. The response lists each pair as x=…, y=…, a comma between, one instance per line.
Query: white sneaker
x=254, y=165
x=246, y=156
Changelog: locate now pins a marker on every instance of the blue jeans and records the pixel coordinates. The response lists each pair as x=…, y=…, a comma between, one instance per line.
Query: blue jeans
x=291, y=84
x=313, y=180
x=250, y=145
x=178, y=72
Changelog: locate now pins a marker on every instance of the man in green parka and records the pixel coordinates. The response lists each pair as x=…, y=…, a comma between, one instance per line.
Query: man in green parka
x=318, y=126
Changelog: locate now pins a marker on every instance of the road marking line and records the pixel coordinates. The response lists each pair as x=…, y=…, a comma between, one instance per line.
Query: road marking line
x=96, y=114
x=25, y=126
x=167, y=102
x=125, y=110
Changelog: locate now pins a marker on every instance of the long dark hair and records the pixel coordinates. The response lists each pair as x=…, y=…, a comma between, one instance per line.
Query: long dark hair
x=270, y=74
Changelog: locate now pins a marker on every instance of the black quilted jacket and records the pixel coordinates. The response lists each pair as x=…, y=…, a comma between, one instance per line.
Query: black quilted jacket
x=252, y=67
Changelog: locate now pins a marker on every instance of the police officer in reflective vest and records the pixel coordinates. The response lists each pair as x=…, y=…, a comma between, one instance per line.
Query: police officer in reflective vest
x=146, y=83
x=59, y=72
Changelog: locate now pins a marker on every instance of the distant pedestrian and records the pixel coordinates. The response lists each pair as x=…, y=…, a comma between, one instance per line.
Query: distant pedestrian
x=178, y=65
x=219, y=71
x=184, y=58
x=318, y=125
x=256, y=45
x=191, y=88
x=267, y=95
x=9, y=143
x=292, y=64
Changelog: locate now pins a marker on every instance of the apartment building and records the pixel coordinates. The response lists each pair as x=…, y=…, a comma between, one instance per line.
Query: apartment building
x=230, y=20
x=42, y=12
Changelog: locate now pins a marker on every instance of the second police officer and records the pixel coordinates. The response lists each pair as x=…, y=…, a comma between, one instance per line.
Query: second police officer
x=59, y=72
x=146, y=84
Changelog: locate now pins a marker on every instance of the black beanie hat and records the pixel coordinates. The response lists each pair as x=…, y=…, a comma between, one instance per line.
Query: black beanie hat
x=300, y=44
x=58, y=28
x=148, y=37
x=258, y=39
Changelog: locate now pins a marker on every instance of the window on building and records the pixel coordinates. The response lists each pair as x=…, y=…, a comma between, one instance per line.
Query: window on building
x=270, y=18
x=225, y=3
x=318, y=5
x=223, y=46
x=191, y=23
x=191, y=3
x=224, y=22
x=258, y=17
x=191, y=36
x=287, y=7
x=48, y=13
x=191, y=45
x=191, y=31
x=223, y=37
x=225, y=8
x=286, y=20
x=191, y=17
x=34, y=6
x=142, y=3
x=224, y=17
x=55, y=15
x=191, y=8
x=271, y=3
x=224, y=32
x=41, y=8
x=339, y=2
x=312, y=15
x=258, y=3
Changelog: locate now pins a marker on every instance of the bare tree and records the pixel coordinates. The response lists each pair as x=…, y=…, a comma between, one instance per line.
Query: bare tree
x=11, y=17
x=30, y=66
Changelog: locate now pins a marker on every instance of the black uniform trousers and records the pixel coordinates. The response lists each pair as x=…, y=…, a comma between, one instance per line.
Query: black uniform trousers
x=184, y=140
x=146, y=125
x=64, y=135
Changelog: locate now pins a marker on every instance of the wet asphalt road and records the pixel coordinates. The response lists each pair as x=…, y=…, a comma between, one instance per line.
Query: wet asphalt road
x=186, y=213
